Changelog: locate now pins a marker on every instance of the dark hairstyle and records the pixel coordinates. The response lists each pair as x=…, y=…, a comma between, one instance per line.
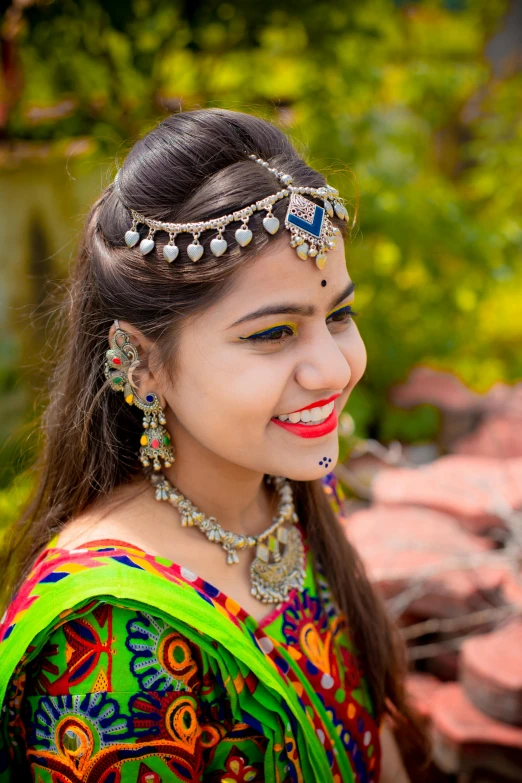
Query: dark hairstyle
x=193, y=166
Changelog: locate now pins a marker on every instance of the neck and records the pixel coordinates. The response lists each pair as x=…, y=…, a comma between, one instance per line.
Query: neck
x=237, y=497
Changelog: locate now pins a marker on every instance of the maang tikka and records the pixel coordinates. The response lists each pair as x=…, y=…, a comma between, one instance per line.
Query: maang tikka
x=121, y=360
x=312, y=233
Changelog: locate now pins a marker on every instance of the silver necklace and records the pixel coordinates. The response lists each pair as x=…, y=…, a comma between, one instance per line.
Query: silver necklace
x=279, y=564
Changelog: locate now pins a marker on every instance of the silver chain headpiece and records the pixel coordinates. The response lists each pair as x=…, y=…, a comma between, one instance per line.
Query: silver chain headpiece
x=312, y=233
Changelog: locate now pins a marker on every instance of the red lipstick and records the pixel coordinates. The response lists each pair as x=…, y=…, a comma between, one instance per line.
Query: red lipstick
x=310, y=430
x=318, y=403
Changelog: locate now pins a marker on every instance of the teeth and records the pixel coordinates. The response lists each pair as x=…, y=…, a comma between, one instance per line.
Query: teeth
x=309, y=416
x=317, y=414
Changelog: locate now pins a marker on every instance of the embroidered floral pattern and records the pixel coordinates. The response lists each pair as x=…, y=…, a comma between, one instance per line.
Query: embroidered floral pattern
x=238, y=770
x=116, y=693
x=162, y=659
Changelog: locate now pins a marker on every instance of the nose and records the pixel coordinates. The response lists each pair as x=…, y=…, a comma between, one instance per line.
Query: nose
x=324, y=365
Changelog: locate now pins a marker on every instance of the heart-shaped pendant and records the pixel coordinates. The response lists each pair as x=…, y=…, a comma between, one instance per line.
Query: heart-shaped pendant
x=271, y=224
x=170, y=252
x=340, y=210
x=243, y=236
x=195, y=252
x=131, y=238
x=320, y=260
x=218, y=246
x=302, y=251
x=146, y=245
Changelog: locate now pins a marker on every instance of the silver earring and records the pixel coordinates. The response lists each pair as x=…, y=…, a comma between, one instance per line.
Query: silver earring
x=155, y=442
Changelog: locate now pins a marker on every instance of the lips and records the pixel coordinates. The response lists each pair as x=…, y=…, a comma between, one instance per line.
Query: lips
x=309, y=430
x=318, y=404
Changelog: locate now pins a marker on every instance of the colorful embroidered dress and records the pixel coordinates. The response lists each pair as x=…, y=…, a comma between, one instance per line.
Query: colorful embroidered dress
x=121, y=667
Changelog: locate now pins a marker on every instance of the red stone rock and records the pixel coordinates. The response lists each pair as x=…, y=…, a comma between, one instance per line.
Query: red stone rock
x=465, y=739
x=505, y=399
x=425, y=552
x=491, y=671
x=471, y=489
x=421, y=688
x=447, y=392
x=444, y=666
x=496, y=436
x=512, y=588
x=442, y=389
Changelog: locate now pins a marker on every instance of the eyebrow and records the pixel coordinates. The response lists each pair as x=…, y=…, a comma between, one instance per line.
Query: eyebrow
x=287, y=308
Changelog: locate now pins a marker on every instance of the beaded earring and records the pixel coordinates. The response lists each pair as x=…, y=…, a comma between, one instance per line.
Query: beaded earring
x=121, y=360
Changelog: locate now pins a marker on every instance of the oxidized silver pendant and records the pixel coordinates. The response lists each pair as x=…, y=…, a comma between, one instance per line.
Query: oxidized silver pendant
x=313, y=234
x=274, y=573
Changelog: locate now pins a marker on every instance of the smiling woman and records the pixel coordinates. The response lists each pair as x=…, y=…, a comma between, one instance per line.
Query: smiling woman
x=228, y=632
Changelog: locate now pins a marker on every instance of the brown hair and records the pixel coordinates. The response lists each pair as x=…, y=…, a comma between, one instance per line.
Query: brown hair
x=193, y=166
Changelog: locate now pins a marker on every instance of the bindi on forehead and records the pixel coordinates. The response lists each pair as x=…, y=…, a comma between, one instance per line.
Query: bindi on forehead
x=323, y=283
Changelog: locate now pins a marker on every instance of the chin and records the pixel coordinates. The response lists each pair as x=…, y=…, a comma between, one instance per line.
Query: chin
x=308, y=472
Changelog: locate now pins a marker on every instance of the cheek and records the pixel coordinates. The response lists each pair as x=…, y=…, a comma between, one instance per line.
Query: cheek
x=228, y=395
x=253, y=391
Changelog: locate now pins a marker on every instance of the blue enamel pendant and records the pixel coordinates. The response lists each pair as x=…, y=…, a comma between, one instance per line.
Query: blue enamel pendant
x=313, y=234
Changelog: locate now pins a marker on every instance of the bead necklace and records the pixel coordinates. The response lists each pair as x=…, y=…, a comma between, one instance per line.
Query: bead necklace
x=279, y=564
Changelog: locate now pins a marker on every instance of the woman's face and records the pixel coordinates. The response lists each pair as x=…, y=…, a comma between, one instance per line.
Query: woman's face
x=261, y=370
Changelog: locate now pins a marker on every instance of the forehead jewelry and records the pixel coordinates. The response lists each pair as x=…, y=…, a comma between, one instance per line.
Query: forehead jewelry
x=279, y=563
x=312, y=232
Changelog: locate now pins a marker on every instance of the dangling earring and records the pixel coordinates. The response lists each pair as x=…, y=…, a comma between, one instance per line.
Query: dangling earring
x=121, y=361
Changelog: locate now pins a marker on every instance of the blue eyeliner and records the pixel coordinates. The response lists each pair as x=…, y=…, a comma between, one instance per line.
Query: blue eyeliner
x=266, y=334
x=344, y=309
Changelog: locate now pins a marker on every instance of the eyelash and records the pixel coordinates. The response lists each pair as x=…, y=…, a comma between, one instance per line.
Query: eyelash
x=266, y=335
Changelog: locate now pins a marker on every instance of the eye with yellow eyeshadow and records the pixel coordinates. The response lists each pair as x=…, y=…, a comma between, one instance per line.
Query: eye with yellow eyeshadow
x=342, y=315
x=275, y=334
x=281, y=332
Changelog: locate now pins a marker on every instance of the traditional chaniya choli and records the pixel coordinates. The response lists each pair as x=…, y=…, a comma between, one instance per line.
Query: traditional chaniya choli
x=120, y=667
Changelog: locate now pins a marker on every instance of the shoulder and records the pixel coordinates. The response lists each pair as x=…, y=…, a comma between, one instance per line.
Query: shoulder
x=112, y=676
x=118, y=516
x=108, y=647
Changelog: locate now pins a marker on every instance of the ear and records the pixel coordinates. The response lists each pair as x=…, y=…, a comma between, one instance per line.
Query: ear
x=142, y=378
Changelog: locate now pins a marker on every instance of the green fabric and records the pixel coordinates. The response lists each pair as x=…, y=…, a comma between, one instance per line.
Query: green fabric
x=244, y=713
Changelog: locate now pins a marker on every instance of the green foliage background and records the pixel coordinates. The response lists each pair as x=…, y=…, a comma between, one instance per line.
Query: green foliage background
x=400, y=94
